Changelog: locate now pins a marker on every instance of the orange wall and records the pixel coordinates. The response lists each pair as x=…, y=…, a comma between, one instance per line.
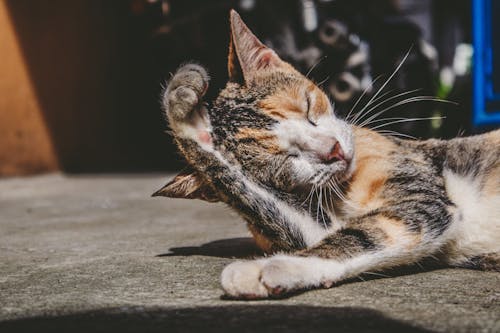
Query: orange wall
x=25, y=144
x=79, y=87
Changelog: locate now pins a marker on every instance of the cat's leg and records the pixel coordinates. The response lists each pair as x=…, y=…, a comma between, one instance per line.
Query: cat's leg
x=285, y=226
x=370, y=244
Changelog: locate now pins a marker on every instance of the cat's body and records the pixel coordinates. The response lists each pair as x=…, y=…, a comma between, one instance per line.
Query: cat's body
x=338, y=199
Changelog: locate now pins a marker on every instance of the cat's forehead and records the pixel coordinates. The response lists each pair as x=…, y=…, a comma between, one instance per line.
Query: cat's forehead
x=291, y=96
x=270, y=98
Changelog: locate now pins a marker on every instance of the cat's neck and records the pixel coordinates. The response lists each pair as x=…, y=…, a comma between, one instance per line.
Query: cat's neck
x=372, y=163
x=368, y=143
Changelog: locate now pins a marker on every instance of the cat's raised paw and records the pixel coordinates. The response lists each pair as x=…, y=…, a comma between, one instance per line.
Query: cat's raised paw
x=185, y=91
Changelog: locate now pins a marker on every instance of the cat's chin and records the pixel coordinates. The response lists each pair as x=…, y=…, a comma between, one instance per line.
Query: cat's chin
x=337, y=173
x=347, y=174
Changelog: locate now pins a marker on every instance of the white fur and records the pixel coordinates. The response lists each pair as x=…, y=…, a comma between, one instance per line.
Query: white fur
x=298, y=136
x=475, y=228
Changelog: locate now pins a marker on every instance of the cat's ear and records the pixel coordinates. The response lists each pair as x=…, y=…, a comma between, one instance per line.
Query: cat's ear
x=188, y=184
x=247, y=54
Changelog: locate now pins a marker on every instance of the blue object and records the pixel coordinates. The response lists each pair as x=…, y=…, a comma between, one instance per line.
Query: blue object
x=486, y=32
x=486, y=69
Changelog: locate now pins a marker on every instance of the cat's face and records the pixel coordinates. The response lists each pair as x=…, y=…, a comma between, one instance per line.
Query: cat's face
x=275, y=123
x=271, y=122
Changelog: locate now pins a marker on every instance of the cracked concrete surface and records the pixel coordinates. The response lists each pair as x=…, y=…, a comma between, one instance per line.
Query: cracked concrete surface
x=95, y=252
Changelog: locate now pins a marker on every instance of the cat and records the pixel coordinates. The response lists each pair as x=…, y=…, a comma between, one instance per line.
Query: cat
x=326, y=199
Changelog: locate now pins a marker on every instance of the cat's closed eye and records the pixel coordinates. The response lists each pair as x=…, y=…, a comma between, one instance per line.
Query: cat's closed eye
x=308, y=105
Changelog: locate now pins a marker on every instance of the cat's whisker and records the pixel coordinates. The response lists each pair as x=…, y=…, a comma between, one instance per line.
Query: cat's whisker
x=376, y=106
x=375, y=101
x=330, y=187
x=397, y=134
x=384, y=95
x=433, y=257
x=323, y=212
x=420, y=265
x=404, y=121
x=408, y=101
x=321, y=82
x=389, y=119
x=364, y=110
x=327, y=197
x=313, y=191
x=317, y=204
x=377, y=274
x=383, y=85
x=307, y=197
x=370, y=86
x=392, y=75
x=320, y=60
x=379, y=104
x=386, y=82
x=330, y=200
x=338, y=191
x=335, y=190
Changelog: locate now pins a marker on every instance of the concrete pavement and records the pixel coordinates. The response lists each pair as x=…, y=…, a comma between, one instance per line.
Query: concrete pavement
x=97, y=253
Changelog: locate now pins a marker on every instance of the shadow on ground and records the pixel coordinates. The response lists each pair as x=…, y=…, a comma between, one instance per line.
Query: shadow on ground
x=241, y=318
x=243, y=247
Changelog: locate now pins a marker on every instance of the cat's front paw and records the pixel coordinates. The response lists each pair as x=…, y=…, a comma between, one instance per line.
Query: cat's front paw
x=185, y=91
x=241, y=280
x=271, y=277
x=283, y=275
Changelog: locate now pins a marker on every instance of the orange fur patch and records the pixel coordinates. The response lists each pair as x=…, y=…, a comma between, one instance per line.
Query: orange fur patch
x=262, y=242
x=372, y=169
x=284, y=104
x=396, y=231
x=264, y=137
x=291, y=102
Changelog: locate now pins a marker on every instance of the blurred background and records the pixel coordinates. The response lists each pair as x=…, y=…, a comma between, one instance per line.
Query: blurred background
x=80, y=80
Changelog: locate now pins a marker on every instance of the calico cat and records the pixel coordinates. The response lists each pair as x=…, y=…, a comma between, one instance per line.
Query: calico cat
x=328, y=199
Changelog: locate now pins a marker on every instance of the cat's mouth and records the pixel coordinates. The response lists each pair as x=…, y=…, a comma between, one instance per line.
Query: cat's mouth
x=336, y=167
x=337, y=172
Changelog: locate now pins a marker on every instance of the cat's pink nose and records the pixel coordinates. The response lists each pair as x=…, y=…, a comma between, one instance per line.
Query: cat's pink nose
x=335, y=154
